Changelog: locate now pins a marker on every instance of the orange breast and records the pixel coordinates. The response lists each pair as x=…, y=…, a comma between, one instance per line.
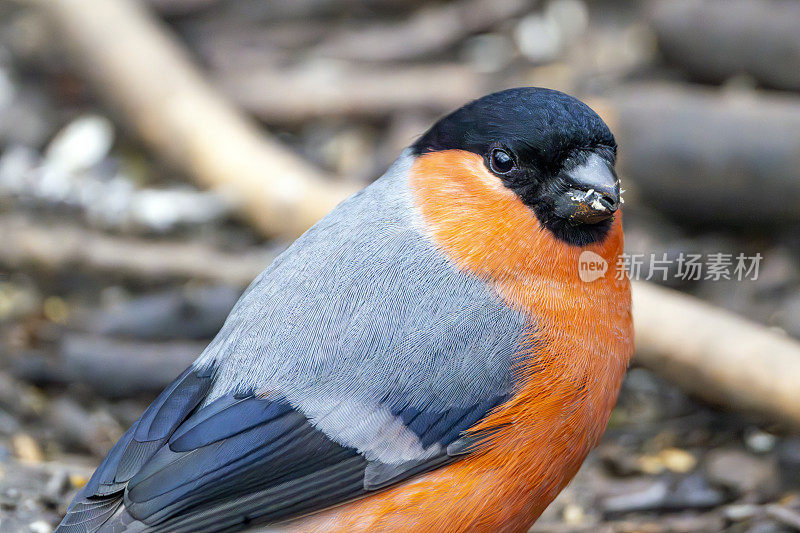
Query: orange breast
x=581, y=340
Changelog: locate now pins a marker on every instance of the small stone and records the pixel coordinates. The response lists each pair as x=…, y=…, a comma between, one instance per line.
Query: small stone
x=668, y=458
x=677, y=460
x=40, y=526
x=26, y=448
x=538, y=38
x=742, y=473
x=78, y=481
x=645, y=498
x=573, y=514
x=83, y=143
x=163, y=209
x=665, y=493
x=650, y=464
x=694, y=492
x=55, y=310
x=740, y=512
x=760, y=441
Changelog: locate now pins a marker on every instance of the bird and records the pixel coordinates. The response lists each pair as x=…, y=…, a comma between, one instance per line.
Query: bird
x=426, y=358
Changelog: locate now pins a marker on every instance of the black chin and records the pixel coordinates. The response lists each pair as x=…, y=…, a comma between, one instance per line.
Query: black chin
x=540, y=197
x=568, y=232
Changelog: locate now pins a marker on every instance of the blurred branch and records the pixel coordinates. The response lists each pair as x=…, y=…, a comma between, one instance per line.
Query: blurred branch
x=295, y=95
x=715, y=40
x=62, y=246
x=431, y=29
x=114, y=368
x=716, y=355
x=145, y=75
x=708, y=157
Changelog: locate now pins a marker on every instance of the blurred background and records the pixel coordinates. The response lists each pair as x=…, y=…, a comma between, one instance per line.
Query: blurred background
x=156, y=155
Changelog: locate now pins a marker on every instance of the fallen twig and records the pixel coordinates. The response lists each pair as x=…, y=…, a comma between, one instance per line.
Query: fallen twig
x=336, y=89
x=716, y=355
x=146, y=75
x=190, y=312
x=114, y=368
x=429, y=30
x=64, y=246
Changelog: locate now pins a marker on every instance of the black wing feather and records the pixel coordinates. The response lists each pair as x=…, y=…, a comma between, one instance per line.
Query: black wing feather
x=100, y=498
x=238, y=460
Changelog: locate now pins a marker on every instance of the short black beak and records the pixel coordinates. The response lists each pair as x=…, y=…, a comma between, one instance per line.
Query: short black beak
x=593, y=194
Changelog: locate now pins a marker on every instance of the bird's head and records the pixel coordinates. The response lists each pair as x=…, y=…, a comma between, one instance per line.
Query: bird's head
x=550, y=149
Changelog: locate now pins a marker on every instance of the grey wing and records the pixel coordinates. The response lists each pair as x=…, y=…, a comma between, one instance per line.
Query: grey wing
x=365, y=307
x=359, y=358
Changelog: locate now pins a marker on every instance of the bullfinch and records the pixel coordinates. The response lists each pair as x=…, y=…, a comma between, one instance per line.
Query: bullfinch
x=426, y=358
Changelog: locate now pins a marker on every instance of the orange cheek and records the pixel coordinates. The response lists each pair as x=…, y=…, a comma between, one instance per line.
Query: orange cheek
x=477, y=221
x=486, y=229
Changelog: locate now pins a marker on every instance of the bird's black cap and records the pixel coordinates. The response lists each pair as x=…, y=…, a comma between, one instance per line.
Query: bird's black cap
x=541, y=134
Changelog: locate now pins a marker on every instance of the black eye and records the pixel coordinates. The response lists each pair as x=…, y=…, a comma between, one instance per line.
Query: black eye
x=501, y=161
